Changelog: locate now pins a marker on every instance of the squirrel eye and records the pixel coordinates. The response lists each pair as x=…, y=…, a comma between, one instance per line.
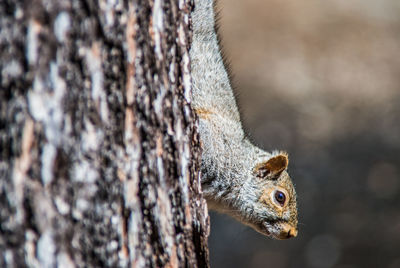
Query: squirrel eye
x=280, y=197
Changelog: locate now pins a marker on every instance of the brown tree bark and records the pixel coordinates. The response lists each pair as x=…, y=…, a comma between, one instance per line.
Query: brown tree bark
x=99, y=154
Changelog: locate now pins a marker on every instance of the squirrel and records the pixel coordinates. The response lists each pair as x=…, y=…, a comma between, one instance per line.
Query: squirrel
x=237, y=177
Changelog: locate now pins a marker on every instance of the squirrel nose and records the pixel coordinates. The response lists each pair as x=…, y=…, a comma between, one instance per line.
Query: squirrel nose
x=292, y=232
x=287, y=231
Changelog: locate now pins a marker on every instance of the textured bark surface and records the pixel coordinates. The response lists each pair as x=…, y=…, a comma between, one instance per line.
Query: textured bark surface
x=99, y=151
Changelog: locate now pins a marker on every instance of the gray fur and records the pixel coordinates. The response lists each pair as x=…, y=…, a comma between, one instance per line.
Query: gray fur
x=229, y=158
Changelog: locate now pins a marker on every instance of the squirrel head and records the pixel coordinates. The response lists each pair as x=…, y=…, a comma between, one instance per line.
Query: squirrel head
x=275, y=212
x=265, y=200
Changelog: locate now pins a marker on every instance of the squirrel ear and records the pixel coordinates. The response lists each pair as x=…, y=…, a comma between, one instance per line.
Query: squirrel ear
x=273, y=166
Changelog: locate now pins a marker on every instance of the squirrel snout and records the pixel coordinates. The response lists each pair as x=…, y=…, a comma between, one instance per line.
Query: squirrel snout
x=287, y=231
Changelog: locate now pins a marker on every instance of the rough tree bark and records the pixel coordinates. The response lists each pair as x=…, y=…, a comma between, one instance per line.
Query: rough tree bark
x=99, y=154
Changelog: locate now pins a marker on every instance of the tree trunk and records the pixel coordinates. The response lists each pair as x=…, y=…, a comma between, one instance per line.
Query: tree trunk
x=99, y=153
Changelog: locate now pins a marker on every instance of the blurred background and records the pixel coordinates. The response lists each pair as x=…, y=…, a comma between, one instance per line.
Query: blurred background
x=320, y=79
